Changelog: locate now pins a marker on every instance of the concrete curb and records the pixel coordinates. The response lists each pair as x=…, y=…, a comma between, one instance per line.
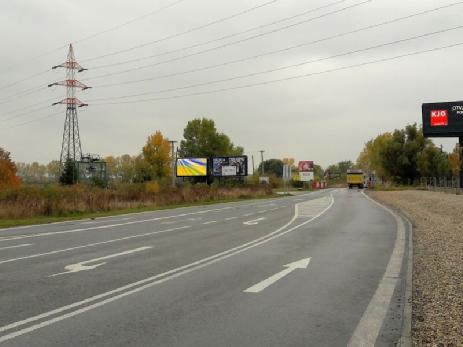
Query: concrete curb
x=406, y=338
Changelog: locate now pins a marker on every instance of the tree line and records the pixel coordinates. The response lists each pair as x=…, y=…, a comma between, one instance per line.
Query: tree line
x=405, y=155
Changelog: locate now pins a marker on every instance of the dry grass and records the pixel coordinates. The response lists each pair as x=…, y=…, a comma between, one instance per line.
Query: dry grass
x=29, y=202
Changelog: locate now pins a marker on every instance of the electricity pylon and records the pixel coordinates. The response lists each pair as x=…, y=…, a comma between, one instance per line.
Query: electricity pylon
x=71, y=148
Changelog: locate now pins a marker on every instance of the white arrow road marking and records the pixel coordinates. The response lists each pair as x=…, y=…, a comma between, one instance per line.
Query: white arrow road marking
x=17, y=246
x=254, y=221
x=300, y=264
x=83, y=267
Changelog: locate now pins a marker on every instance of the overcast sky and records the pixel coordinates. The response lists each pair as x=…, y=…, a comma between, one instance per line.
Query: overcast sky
x=324, y=117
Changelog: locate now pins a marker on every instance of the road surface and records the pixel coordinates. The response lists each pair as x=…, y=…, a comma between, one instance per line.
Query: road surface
x=318, y=269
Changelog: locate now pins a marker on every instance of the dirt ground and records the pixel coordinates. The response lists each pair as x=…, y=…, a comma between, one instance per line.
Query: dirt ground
x=437, y=218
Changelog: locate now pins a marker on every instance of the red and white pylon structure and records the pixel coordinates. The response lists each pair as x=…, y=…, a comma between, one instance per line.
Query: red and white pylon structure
x=71, y=148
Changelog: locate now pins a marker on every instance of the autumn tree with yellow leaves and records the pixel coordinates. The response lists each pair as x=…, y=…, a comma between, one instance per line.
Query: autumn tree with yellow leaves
x=157, y=157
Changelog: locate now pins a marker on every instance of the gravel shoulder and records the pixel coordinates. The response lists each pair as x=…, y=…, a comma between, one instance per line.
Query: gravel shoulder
x=437, y=305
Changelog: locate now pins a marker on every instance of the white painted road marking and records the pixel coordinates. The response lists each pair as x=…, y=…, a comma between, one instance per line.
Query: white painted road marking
x=82, y=266
x=230, y=218
x=254, y=221
x=135, y=287
x=104, y=221
x=300, y=264
x=370, y=324
x=17, y=246
x=91, y=245
x=53, y=233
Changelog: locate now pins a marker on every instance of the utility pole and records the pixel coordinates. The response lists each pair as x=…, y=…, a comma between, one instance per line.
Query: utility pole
x=174, y=159
x=253, y=167
x=71, y=148
x=262, y=161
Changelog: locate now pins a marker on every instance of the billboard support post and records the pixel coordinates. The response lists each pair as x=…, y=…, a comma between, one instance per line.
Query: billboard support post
x=174, y=162
x=262, y=161
x=460, y=156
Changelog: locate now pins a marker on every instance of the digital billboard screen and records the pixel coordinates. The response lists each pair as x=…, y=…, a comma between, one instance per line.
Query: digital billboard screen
x=191, y=167
x=444, y=119
x=230, y=166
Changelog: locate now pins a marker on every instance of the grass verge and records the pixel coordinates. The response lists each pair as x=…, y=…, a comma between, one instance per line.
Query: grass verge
x=8, y=223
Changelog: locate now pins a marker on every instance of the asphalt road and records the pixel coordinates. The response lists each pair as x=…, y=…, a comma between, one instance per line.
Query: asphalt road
x=319, y=269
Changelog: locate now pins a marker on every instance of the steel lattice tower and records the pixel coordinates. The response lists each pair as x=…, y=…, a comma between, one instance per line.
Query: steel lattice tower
x=71, y=147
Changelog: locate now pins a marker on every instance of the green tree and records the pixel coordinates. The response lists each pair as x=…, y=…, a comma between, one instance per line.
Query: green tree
x=69, y=174
x=370, y=159
x=272, y=167
x=53, y=170
x=338, y=172
x=201, y=139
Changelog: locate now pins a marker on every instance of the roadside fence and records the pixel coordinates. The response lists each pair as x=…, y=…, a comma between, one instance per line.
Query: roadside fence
x=441, y=184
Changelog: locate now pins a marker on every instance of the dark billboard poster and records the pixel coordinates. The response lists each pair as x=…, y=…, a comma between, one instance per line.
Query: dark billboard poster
x=230, y=166
x=443, y=119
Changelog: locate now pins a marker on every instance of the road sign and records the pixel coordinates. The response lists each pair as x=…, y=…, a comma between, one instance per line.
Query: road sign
x=287, y=172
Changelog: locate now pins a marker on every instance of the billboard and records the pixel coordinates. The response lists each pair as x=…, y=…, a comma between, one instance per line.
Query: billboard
x=305, y=166
x=191, y=167
x=443, y=119
x=230, y=166
x=306, y=176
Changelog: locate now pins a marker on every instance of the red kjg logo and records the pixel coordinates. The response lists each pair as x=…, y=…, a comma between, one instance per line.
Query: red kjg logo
x=439, y=118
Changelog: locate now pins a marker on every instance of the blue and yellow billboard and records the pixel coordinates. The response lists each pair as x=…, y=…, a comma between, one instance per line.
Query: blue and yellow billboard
x=191, y=167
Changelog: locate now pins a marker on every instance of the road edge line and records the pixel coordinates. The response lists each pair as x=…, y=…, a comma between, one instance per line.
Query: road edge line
x=406, y=334
x=149, y=282
x=367, y=331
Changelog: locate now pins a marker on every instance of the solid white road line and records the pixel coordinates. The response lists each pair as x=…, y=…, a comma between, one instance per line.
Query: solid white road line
x=300, y=264
x=254, y=221
x=90, y=245
x=148, y=282
x=103, y=221
x=210, y=222
x=17, y=246
x=53, y=233
x=82, y=266
x=370, y=324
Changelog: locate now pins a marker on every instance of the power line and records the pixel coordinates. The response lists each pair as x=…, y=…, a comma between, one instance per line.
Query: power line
x=188, y=31
x=136, y=19
x=300, y=76
x=24, y=79
x=287, y=66
x=35, y=120
x=88, y=38
x=12, y=114
x=305, y=44
x=222, y=37
x=231, y=43
x=26, y=113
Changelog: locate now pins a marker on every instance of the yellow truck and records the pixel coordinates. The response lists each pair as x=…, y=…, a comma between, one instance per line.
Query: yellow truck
x=355, y=178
